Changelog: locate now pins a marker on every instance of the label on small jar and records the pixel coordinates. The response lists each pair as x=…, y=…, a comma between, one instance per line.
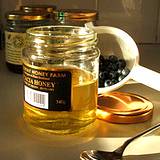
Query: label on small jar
x=47, y=89
x=14, y=43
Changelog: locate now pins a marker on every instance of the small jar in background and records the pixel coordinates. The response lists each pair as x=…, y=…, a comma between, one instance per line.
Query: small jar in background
x=60, y=70
x=15, y=34
x=75, y=17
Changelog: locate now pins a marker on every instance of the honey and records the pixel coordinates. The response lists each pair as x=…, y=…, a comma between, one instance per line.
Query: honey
x=82, y=109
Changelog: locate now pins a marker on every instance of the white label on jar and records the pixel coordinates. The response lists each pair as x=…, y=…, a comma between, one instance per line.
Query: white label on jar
x=14, y=43
x=36, y=98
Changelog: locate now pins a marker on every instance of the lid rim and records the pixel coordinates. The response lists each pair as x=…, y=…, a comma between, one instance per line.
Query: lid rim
x=76, y=13
x=121, y=107
x=20, y=15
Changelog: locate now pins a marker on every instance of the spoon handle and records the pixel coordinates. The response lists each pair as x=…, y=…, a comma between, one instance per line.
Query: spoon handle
x=120, y=150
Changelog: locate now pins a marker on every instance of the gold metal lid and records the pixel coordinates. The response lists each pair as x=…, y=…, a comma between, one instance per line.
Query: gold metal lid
x=121, y=107
x=21, y=15
x=78, y=14
x=38, y=8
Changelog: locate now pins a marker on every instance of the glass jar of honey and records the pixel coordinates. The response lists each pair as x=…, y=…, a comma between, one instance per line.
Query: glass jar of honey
x=60, y=70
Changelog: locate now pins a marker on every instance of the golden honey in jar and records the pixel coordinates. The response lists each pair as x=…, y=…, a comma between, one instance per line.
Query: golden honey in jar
x=60, y=71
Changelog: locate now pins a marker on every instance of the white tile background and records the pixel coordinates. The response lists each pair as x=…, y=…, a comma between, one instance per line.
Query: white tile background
x=140, y=18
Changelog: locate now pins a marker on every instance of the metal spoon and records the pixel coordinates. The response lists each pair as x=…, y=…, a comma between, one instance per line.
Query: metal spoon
x=116, y=154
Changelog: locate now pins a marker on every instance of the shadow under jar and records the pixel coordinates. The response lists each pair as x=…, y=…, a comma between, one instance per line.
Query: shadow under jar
x=60, y=70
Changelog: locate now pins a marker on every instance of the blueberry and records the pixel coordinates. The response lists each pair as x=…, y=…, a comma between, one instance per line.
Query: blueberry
x=103, y=75
x=115, y=66
x=101, y=66
x=121, y=77
x=101, y=58
x=125, y=71
x=121, y=63
x=114, y=81
x=112, y=74
x=112, y=66
x=119, y=71
x=113, y=58
x=107, y=83
x=100, y=83
x=106, y=62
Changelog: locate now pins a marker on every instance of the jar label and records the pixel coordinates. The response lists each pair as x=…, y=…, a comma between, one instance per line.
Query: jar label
x=47, y=89
x=14, y=43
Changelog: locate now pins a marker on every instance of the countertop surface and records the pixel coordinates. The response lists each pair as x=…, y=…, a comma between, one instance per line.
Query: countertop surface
x=19, y=143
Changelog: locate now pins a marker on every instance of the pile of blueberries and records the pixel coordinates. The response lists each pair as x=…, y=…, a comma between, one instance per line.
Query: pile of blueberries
x=111, y=70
